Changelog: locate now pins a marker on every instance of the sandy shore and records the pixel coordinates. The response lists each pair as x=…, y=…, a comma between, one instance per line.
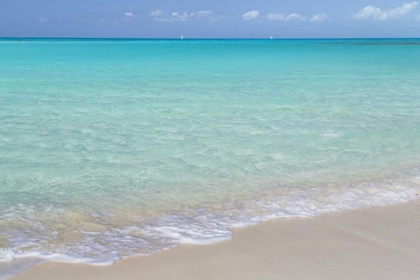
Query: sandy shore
x=375, y=243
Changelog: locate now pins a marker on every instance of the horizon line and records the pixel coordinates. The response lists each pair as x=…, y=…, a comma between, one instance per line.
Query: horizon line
x=203, y=38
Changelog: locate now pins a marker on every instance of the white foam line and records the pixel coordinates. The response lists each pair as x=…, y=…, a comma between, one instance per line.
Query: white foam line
x=207, y=231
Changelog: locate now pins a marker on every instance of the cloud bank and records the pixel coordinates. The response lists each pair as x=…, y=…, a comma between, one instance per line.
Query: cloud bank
x=160, y=15
x=372, y=12
x=205, y=13
x=283, y=17
x=294, y=16
x=251, y=15
x=271, y=16
x=157, y=13
x=319, y=17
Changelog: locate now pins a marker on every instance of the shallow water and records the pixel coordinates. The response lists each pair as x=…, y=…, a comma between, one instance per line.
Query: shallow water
x=111, y=148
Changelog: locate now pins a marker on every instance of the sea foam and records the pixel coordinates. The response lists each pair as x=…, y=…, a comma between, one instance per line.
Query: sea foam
x=203, y=225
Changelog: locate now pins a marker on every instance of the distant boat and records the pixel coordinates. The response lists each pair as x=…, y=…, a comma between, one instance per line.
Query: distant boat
x=182, y=37
x=271, y=37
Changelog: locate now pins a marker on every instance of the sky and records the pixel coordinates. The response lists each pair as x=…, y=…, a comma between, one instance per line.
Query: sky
x=210, y=18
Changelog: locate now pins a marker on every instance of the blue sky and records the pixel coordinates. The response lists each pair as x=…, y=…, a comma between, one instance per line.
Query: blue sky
x=209, y=18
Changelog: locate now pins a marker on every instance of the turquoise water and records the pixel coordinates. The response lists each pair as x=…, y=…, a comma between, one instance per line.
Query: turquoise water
x=112, y=148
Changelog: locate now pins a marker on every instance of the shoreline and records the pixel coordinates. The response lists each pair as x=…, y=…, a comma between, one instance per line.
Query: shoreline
x=213, y=223
x=370, y=243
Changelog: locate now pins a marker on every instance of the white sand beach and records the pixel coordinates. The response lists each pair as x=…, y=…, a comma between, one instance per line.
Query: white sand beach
x=374, y=243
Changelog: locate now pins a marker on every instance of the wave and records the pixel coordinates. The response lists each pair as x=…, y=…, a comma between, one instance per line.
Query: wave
x=103, y=238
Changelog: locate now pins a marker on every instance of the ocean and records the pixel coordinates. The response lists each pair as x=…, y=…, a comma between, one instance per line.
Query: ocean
x=114, y=148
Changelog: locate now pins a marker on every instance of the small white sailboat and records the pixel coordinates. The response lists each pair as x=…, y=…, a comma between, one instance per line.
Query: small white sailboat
x=182, y=37
x=271, y=37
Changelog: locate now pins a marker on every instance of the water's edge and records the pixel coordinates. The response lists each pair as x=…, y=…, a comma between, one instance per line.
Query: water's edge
x=274, y=205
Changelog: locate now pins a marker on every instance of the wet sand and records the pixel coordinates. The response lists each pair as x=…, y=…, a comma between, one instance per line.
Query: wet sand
x=374, y=243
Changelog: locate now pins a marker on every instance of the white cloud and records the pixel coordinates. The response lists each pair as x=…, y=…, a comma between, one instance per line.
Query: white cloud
x=251, y=15
x=42, y=20
x=210, y=16
x=283, y=17
x=319, y=17
x=157, y=13
x=175, y=16
x=160, y=15
x=271, y=16
x=129, y=14
x=217, y=18
x=205, y=13
x=294, y=16
x=371, y=12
